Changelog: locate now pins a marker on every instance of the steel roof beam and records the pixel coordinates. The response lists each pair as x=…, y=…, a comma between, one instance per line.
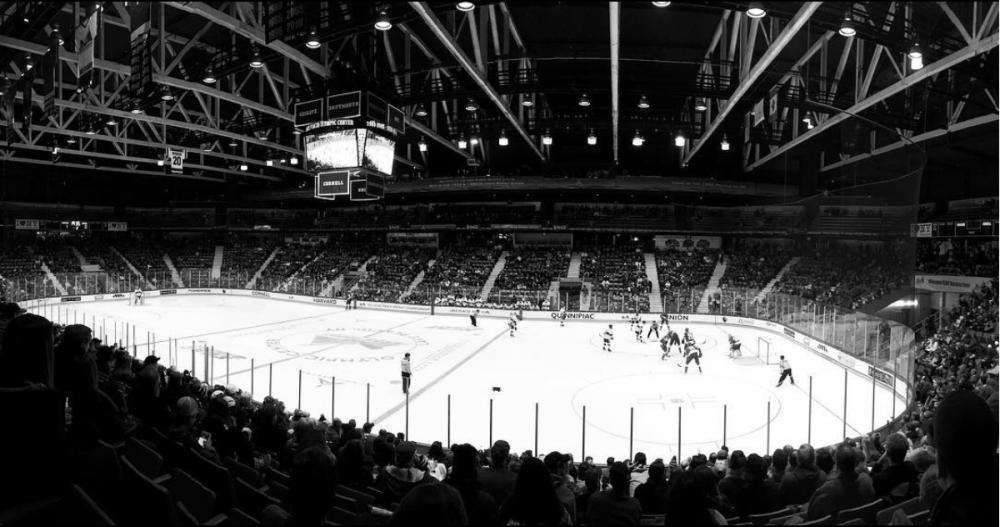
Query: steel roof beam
x=615, y=24
x=928, y=71
x=254, y=34
x=794, y=25
x=448, y=41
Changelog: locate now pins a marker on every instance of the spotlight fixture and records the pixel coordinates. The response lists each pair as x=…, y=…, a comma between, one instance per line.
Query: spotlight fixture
x=465, y=7
x=421, y=110
x=209, y=77
x=503, y=141
x=526, y=101
x=312, y=42
x=70, y=140
x=136, y=108
x=471, y=105
x=592, y=138
x=724, y=144
x=915, y=52
x=29, y=62
x=584, y=100
x=679, y=140
x=637, y=140
x=244, y=167
x=847, y=26
x=643, y=102
x=166, y=94
x=547, y=138
x=422, y=145
x=90, y=130
x=269, y=162
x=382, y=23
x=661, y=4
x=462, y=143
x=699, y=105
x=916, y=64
x=233, y=143
x=756, y=10
x=294, y=160
x=111, y=121
x=256, y=61
x=159, y=162
x=474, y=140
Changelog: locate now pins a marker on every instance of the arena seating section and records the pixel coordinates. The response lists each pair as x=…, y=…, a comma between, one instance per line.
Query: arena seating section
x=619, y=277
x=684, y=275
x=390, y=273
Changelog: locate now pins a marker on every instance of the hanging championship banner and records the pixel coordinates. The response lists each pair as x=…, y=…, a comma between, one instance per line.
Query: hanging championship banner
x=758, y=112
x=176, y=158
x=772, y=104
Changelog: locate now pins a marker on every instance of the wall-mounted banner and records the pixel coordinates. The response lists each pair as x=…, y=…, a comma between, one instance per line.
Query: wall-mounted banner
x=948, y=284
x=176, y=158
x=117, y=226
x=26, y=225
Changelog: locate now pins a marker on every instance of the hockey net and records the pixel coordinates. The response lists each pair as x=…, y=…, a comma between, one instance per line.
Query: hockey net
x=764, y=351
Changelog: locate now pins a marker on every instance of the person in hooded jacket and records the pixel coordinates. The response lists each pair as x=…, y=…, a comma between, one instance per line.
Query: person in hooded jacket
x=394, y=481
x=849, y=490
x=798, y=485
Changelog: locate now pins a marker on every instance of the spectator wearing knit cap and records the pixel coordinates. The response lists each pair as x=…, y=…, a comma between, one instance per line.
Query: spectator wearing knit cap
x=966, y=438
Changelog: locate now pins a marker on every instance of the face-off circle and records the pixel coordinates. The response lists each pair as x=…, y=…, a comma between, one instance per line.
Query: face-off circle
x=346, y=345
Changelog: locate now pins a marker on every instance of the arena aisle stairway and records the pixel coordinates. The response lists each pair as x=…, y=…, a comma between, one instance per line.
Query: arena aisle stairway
x=417, y=279
x=59, y=287
x=574, y=266
x=79, y=255
x=128, y=263
x=176, y=276
x=713, y=286
x=497, y=268
x=217, y=263
x=291, y=279
x=256, y=276
x=770, y=285
x=655, y=302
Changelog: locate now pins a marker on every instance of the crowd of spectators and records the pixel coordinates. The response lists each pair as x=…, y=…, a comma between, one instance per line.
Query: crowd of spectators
x=965, y=257
x=482, y=214
x=391, y=271
x=533, y=269
x=684, y=275
x=290, y=259
x=20, y=274
x=242, y=258
x=335, y=259
x=460, y=271
x=753, y=267
x=618, y=278
x=56, y=254
x=147, y=259
x=842, y=277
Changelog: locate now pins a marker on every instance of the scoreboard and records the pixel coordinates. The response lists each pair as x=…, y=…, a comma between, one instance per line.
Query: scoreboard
x=350, y=143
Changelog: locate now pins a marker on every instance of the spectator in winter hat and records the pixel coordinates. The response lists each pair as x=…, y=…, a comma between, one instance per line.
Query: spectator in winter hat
x=396, y=480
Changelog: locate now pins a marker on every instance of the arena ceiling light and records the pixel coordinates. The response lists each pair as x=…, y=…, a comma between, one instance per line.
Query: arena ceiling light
x=294, y=160
x=462, y=143
x=592, y=138
x=637, y=140
x=547, y=138
x=680, y=140
x=756, y=10
x=502, y=140
x=421, y=110
x=4, y=85
x=111, y=121
x=643, y=102
x=90, y=130
x=312, y=42
x=244, y=167
x=916, y=56
x=422, y=145
x=256, y=61
x=724, y=144
x=584, y=100
x=661, y=4
x=382, y=23
x=166, y=94
x=465, y=7
x=29, y=62
x=56, y=35
x=136, y=108
x=70, y=140
x=471, y=105
x=699, y=105
x=847, y=28
x=526, y=101
x=809, y=120
x=269, y=162
x=209, y=77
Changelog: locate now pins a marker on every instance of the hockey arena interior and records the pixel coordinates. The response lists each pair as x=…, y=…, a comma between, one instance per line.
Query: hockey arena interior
x=499, y=263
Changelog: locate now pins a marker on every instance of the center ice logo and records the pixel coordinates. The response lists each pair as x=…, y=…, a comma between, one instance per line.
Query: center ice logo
x=346, y=345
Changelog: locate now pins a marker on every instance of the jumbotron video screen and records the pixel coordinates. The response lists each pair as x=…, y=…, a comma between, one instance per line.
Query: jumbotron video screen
x=356, y=147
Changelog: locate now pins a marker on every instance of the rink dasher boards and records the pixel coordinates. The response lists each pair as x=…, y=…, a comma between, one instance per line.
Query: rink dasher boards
x=628, y=393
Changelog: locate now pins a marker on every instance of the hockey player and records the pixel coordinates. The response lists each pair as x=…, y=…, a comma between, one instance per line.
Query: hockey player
x=608, y=336
x=665, y=346
x=638, y=330
x=734, y=347
x=138, y=296
x=692, y=353
x=562, y=317
x=512, y=323
x=786, y=371
x=654, y=327
x=472, y=317
x=675, y=340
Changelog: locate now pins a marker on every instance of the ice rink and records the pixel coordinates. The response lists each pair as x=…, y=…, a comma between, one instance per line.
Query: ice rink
x=633, y=401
